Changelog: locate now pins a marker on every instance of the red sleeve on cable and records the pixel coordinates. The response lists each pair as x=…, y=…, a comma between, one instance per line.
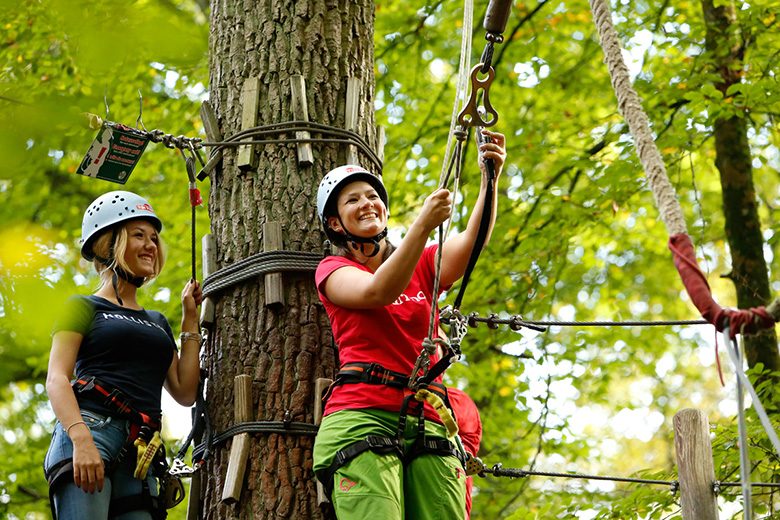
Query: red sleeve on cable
x=195, y=198
x=739, y=321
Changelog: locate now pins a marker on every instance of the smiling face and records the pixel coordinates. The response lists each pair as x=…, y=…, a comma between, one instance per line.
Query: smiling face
x=142, y=248
x=361, y=210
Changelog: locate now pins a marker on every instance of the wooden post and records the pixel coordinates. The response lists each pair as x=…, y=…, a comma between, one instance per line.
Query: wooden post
x=272, y=241
x=301, y=113
x=250, y=99
x=695, y=468
x=380, y=143
x=320, y=387
x=211, y=126
x=239, y=450
x=351, y=115
x=209, y=255
x=193, y=503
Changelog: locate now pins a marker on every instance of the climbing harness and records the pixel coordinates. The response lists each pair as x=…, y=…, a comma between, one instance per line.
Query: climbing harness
x=435, y=394
x=114, y=399
x=143, y=437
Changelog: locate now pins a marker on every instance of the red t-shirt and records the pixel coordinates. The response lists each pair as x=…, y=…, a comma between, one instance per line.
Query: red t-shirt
x=391, y=336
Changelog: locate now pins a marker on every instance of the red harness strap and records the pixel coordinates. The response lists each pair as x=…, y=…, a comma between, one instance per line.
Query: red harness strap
x=116, y=401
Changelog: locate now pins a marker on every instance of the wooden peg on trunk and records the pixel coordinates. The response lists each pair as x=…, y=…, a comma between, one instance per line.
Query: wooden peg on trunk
x=250, y=100
x=209, y=255
x=351, y=115
x=211, y=126
x=300, y=109
x=239, y=451
x=274, y=288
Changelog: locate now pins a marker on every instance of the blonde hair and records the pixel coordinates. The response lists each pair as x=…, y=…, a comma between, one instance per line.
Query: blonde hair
x=102, y=249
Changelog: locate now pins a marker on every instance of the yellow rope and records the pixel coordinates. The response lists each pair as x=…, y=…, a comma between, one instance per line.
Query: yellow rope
x=444, y=413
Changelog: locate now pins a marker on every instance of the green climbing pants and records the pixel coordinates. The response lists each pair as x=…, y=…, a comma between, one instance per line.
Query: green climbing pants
x=380, y=486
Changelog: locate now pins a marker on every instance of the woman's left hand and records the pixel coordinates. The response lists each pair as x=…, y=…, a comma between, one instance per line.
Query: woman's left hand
x=191, y=297
x=495, y=150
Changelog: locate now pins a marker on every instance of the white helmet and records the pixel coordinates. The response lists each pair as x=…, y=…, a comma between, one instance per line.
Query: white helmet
x=339, y=177
x=109, y=209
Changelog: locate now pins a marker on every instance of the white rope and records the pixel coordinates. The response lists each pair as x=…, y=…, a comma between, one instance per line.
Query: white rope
x=461, y=87
x=630, y=106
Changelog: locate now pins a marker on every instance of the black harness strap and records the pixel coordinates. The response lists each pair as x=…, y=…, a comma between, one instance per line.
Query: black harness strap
x=437, y=446
x=62, y=473
x=484, y=225
x=375, y=443
x=57, y=475
x=143, y=502
x=376, y=374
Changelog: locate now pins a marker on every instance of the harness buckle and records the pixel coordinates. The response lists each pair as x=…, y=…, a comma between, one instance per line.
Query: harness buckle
x=85, y=385
x=376, y=441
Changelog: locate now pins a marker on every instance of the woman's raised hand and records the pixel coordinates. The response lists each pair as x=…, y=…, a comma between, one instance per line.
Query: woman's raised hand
x=495, y=150
x=436, y=209
x=191, y=297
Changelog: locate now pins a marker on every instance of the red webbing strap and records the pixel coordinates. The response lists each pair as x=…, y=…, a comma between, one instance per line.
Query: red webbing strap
x=122, y=407
x=739, y=321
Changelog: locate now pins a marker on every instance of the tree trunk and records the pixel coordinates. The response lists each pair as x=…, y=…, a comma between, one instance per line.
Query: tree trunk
x=743, y=228
x=284, y=349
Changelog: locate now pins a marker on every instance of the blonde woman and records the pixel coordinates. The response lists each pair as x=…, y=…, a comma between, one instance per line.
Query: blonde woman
x=110, y=359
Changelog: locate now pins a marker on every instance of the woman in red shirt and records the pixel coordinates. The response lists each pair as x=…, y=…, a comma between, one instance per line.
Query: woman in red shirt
x=374, y=461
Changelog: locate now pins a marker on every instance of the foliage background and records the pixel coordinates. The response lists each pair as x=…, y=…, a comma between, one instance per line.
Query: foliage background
x=578, y=237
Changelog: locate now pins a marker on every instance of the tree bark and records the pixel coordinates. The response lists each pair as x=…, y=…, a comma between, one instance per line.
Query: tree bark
x=283, y=349
x=740, y=208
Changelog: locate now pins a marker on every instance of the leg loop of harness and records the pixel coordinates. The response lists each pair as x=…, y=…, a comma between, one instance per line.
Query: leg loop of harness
x=171, y=490
x=437, y=446
x=60, y=473
x=143, y=502
x=376, y=443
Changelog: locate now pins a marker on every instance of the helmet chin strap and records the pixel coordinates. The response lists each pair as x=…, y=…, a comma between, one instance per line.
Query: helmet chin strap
x=360, y=242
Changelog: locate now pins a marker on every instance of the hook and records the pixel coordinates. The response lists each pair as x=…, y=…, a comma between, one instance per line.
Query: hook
x=139, y=120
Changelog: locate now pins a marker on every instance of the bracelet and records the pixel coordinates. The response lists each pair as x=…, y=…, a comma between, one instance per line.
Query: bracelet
x=187, y=336
x=67, y=430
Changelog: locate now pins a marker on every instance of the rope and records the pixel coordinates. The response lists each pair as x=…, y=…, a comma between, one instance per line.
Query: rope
x=742, y=380
x=281, y=427
x=257, y=264
x=461, y=89
x=499, y=471
x=290, y=127
x=452, y=159
x=630, y=107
